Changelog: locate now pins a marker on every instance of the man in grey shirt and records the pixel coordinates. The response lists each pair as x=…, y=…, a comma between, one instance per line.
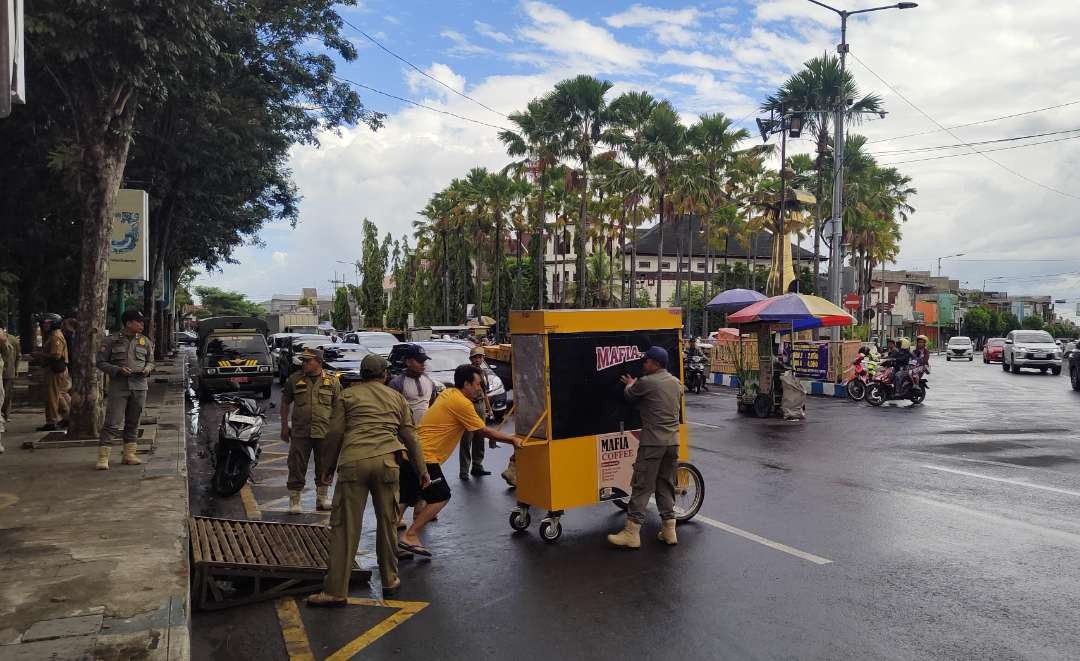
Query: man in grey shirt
x=658, y=395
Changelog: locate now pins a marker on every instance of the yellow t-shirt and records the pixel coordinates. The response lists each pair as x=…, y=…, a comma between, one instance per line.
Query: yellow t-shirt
x=442, y=426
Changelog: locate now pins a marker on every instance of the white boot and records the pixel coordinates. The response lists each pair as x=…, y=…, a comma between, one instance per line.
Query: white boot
x=322, y=499
x=294, y=502
x=629, y=536
x=667, y=533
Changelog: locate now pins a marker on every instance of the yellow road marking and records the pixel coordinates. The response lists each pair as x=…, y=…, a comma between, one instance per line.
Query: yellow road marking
x=406, y=609
x=293, y=631
x=251, y=506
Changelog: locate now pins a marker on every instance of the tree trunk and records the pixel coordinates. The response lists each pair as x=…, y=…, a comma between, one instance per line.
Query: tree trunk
x=688, y=290
x=107, y=136
x=708, y=276
x=660, y=253
x=496, y=286
x=622, y=259
x=541, y=254
x=581, y=277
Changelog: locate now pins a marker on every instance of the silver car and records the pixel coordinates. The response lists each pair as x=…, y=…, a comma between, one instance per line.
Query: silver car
x=959, y=348
x=1031, y=349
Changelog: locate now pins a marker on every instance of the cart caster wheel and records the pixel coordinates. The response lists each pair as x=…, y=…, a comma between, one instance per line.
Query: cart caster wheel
x=550, y=530
x=520, y=520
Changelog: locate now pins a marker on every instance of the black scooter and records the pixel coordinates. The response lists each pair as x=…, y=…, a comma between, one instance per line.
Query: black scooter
x=696, y=368
x=237, y=450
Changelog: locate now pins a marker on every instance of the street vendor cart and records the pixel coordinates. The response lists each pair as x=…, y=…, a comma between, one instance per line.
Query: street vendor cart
x=581, y=436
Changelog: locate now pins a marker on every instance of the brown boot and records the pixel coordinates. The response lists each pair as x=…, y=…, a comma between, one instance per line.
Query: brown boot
x=102, y=458
x=667, y=533
x=629, y=536
x=323, y=600
x=129, y=454
x=322, y=499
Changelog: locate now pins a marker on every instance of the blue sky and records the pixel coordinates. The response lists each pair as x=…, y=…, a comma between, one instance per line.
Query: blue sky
x=957, y=60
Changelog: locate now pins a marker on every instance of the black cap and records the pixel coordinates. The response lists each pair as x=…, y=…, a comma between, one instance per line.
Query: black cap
x=132, y=315
x=416, y=352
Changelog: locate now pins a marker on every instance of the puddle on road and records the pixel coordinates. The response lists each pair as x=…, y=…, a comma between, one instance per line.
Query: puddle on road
x=985, y=446
x=1039, y=460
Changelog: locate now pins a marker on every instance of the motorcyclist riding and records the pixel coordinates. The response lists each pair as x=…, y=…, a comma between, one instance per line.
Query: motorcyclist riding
x=901, y=360
x=921, y=354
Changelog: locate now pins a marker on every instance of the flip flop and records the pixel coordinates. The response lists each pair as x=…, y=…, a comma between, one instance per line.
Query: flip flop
x=418, y=549
x=402, y=554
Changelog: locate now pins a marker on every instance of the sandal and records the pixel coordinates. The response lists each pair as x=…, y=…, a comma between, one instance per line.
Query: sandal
x=418, y=549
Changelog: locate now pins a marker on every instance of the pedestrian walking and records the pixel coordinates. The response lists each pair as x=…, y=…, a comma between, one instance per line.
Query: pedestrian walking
x=442, y=428
x=9, y=349
x=471, y=449
x=658, y=396
x=314, y=398
x=419, y=392
x=128, y=358
x=378, y=426
x=54, y=355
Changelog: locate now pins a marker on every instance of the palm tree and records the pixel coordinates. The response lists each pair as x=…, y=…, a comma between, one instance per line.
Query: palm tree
x=579, y=103
x=630, y=115
x=538, y=140
x=817, y=90
x=665, y=145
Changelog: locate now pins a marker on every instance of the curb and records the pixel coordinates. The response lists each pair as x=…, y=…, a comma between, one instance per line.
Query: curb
x=818, y=388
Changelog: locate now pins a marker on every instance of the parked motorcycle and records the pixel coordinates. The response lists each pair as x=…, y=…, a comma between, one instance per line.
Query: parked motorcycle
x=237, y=450
x=861, y=372
x=882, y=389
x=696, y=370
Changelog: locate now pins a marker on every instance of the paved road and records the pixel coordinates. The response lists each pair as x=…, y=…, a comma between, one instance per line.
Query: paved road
x=946, y=530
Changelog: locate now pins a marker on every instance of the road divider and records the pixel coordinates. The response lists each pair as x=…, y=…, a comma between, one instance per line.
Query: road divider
x=820, y=388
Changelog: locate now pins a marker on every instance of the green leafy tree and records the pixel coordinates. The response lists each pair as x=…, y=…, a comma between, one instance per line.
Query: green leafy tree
x=216, y=302
x=1009, y=323
x=341, y=315
x=1032, y=322
x=978, y=322
x=374, y=258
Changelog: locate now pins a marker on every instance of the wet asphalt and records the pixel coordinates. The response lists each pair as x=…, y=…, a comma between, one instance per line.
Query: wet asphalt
x=948, y=530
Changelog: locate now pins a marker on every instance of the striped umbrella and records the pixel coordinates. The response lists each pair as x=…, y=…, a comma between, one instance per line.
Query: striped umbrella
x=802, y=311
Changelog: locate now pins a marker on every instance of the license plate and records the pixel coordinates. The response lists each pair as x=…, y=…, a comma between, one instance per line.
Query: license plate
x=240, y=379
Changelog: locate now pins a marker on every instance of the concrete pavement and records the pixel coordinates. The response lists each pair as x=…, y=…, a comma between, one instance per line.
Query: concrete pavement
x=94, y=564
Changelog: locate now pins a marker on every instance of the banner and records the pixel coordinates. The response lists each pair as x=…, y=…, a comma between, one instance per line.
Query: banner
x=810, y=359
x=129, y=255
x=615, y=455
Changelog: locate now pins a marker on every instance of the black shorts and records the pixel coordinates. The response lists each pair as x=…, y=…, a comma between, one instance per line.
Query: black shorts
x=436, y=492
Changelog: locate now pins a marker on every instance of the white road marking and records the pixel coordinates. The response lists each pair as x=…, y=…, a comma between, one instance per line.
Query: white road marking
x=1006, y=480
x=702, y=424
x=816, y=559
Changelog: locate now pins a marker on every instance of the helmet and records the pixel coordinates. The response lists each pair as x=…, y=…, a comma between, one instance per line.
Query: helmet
x=923, y=338
x=905, y=343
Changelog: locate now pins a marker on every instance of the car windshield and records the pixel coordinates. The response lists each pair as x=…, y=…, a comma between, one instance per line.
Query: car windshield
x=962, y=341
x=375, y=340
x=350, y=353
x=235, y=346
x=996, y=342
x=446, y=359
x=1034, y=337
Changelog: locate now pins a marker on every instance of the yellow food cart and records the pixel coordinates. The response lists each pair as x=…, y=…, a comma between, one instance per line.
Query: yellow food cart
x=581, y=435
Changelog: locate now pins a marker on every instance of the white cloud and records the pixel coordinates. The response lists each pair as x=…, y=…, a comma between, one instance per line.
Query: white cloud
x=393, y=20
x=670, y=27
x=280, y=258
x=698, y=60
x=462, y=46
x=586, y=45
x=489, y=31
x=437, y=70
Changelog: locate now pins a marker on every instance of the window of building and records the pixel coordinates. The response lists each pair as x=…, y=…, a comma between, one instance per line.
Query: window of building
x=701, y=266
x=643, y=264
x=666, y=266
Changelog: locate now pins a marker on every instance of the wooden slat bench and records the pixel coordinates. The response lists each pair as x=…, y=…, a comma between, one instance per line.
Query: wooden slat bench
x=240, y=562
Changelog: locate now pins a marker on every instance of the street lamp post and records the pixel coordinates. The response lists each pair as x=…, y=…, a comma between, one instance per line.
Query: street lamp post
x=959, y=254
x=836, y=254
x=941, y=345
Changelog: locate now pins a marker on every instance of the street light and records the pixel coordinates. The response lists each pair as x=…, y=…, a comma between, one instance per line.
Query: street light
x=788, y=124
x=835, y=256
x=959, y=254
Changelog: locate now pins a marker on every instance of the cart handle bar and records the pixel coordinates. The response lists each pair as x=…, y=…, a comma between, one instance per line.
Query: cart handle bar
x=534, y=428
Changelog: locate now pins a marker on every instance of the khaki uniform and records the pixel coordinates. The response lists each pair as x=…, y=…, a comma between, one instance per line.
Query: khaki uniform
x=57, y=386
x=9, y=347
x=378, y=425
x=127, y=393
x=659, y=398
x=471, y=449
x=315, y=400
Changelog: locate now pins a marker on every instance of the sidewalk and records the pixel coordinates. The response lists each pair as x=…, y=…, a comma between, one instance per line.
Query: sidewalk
x=94, y=564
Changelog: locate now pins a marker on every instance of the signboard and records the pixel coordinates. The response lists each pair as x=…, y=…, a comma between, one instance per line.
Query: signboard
x=129, y=252
x=851, y=301
x=810, y=359
x=615, y=454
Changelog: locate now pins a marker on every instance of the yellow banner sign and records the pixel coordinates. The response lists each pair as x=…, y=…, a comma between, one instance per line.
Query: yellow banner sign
x=129, y=246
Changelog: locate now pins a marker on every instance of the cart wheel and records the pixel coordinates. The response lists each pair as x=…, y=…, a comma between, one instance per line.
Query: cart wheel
x=689, y=491
x=763, y=406
x=520, y=520
x=621, y=503
x=550, y=530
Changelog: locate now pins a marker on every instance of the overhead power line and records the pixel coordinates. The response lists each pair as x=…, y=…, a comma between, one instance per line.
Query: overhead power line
x=418, y=104
x=981, y=121
x=982, y=142
x=959, y=139
x=988, y=151
x=422, y=72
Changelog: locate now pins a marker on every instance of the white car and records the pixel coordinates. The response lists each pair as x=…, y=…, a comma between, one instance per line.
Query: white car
x=959, y=347
x=1033, y=349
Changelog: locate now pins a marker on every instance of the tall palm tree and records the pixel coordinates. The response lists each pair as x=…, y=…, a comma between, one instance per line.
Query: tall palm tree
x=817, y=90
x=538, y=139
x=665, y=140
x=579, y=102
x=630, y=114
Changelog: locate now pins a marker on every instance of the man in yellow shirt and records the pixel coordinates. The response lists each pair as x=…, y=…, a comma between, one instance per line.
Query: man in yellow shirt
x=440, y=430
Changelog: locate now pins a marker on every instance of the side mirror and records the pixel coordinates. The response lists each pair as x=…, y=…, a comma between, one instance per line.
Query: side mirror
x=1008, y=342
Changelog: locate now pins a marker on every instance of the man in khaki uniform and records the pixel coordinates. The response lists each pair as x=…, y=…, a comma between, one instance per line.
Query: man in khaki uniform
x=128, y=358
x=54, y=355
x=9, y=348
x=378, y=426
x=314, y=398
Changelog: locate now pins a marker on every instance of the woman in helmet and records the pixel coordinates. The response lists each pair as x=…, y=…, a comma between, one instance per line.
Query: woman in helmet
x=921, y=354
x=901, y=360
